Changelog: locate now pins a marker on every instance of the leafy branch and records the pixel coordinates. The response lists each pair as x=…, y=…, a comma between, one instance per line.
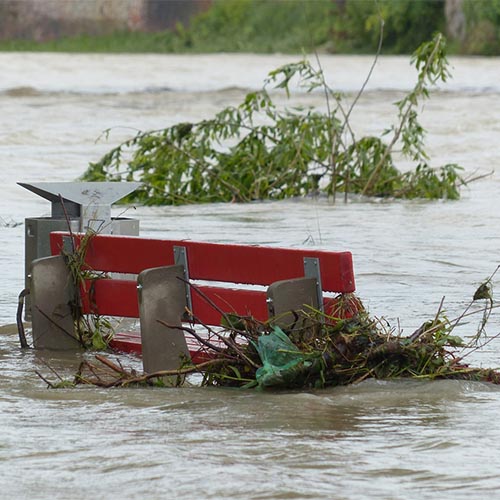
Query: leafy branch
x=431, y=62
x=257, y=151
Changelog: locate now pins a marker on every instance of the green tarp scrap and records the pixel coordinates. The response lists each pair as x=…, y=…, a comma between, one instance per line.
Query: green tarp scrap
x=282, y=362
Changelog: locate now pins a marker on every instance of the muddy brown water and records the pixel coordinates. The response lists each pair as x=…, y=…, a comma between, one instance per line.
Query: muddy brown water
x=398, y=439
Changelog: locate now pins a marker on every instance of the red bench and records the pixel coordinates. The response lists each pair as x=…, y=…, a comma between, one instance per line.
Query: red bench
x=230, y=279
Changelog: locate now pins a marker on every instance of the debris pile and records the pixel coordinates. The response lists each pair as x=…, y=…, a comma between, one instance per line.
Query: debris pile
x=319, y=350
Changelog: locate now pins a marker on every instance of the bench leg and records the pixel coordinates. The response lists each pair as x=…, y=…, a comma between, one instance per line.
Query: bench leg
x=51, y=293
x=162, y=297
x=289, y=296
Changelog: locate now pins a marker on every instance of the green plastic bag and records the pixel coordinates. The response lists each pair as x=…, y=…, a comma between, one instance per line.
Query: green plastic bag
x=282, y=361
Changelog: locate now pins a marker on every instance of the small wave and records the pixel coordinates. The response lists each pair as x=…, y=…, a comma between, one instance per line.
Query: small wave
x=28, y=91
x=153, y=90
x=24, y=91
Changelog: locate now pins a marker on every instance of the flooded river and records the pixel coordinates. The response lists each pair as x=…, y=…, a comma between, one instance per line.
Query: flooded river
x=383, y=440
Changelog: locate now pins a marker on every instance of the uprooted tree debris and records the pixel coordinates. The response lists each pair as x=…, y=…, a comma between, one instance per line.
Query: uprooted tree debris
x=258, y=151
x=318, y=351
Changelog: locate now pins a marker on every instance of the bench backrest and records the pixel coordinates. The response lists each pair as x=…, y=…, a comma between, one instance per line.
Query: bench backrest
x=229, y=264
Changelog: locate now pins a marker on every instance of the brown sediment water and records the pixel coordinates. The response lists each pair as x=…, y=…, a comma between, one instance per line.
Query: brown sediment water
x=374, y=440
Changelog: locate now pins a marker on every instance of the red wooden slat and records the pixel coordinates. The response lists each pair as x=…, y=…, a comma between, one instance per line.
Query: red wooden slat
x=121, y=254
x=127, y=343
x=119, y=298
x=109, y=297
x=230, y=300
x=265, y=265
x=216, y=262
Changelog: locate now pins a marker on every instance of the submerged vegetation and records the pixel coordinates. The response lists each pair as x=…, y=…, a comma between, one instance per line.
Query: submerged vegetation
x=258, y=151
x=92, y=331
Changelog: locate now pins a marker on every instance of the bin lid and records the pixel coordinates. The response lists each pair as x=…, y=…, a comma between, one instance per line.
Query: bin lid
x=82, y=193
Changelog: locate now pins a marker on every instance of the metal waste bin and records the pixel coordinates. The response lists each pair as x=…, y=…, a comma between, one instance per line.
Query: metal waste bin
x=76, y=206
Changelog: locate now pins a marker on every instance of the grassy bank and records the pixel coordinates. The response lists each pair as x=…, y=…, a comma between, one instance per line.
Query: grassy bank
x=294, y=26
x=118, y=42
x=264, y=26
